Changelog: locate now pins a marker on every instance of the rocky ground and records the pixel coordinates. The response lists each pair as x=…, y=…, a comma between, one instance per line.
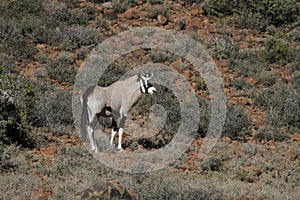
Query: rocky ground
x=252, y=165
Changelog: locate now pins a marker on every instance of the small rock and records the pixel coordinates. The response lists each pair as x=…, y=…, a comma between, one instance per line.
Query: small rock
x=186, y=72
x=106, y=189
x=227, y=139
x=107, y=5
x=223, y=63
x=131, y=13
x=99, y=10
x=110, y=16
x=244, y=45
x=251, y=80
x=162, y=19
x=137, y=41
x=212, y=29
x=140, y=2
x=291, y=156
x=52, y=149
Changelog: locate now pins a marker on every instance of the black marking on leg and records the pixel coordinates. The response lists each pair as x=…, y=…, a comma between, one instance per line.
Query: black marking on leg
x=114, y=125
x=122, y=121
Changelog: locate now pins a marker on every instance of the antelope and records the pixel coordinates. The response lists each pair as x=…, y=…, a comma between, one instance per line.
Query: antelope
x=113, y=101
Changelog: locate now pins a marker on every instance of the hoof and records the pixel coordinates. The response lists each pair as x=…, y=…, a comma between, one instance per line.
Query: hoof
x=94, y=150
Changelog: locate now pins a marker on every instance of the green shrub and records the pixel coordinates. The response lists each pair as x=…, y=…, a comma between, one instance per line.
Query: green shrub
x=296, y=63
x=205, y=115
x=113, y=73
x=278, y=51
x=75, y=37
x=246, y=175
x=236, y=123
x=246, y=67
x=155, y=1
x=200, y=84
x=34, y=28
x=285, y=108
x=282, y=105
x=82, y=16
x=267, y=78
x=159, y=56
x=225, y=48
x=17, y=98
x=296, y=80
x=214, y=163
x=63, y=69
x=58, y=13
x=7, y=63
x=53, y=108
x=246, y=63
x=239, y=84
x=120, y=6
x=219, y=8
x=249, y=20
x=154, y=11
x=294, y=35
x=98, y=1
x=103, y=23
x=72, y=3
x=266, y=133
x=276, y=12
x=263, y=97
x=14, y=42
x=27, y=6
x=169, y=102
x=10, y=160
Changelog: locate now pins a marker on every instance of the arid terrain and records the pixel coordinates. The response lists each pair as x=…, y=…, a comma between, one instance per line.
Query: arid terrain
x=255, y=46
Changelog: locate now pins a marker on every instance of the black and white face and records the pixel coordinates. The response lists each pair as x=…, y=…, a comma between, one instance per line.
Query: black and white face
x=146, y=86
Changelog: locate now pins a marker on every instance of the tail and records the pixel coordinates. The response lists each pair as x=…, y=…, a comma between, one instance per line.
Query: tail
x=84, y=112
x=84, y=118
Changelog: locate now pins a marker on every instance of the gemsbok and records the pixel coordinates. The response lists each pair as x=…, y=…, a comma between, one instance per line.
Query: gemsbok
x=113, y=101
